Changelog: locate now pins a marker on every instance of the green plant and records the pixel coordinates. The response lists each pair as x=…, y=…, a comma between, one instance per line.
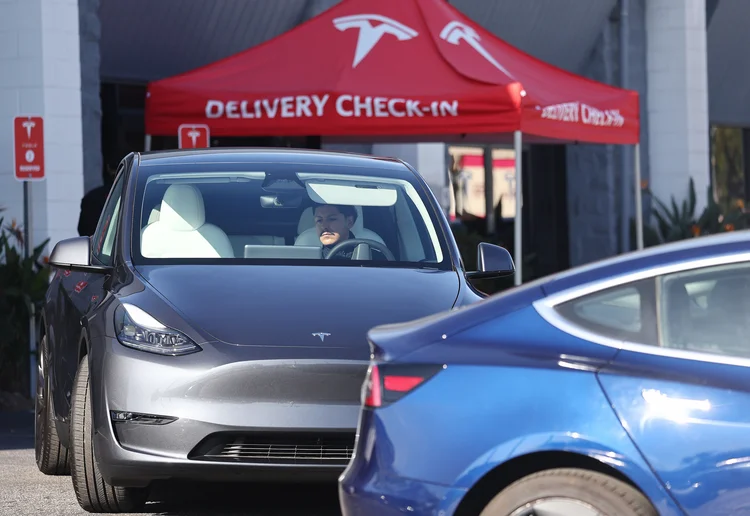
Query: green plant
x=679, y=222
x=23, y=283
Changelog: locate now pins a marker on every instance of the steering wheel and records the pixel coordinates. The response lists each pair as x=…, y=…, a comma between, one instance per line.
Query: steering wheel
x=367, y=243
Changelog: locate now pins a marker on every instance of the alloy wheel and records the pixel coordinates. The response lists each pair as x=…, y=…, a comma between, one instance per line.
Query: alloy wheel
x=557, y=506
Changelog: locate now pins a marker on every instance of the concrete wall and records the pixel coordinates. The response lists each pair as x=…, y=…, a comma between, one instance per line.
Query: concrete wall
x=91, y=109
x=40, y=74
x=667, y=65
x=678, y=98
x=595, y=172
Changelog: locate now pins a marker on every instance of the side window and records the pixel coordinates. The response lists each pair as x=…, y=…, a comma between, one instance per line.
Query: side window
x=626, y=312
x=104, y=237
x=707, y=310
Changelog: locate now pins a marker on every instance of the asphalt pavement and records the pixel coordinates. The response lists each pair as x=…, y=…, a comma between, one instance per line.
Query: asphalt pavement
x=24, y=490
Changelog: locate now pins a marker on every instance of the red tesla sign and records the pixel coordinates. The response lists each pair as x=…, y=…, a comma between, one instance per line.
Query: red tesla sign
x=193, y=136
x=28, y=148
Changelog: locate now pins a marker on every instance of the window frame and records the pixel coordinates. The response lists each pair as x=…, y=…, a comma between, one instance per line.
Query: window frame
x=113, y=198
x=146, y=172
x=546, y=307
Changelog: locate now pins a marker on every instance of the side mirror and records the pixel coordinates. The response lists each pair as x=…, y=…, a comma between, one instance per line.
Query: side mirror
x=74, y=254
x=493, y=261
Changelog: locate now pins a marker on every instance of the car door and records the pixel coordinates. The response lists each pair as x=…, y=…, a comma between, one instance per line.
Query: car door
x=79, y=291
x=681, y=382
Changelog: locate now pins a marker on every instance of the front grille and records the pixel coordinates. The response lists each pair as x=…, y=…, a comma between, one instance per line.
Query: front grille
x=277, y=448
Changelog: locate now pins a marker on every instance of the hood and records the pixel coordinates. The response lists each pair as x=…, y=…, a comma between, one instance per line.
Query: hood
x=286, y=306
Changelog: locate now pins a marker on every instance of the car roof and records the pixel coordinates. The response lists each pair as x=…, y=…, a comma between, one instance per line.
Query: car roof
x=641, y=260
x=220, y=155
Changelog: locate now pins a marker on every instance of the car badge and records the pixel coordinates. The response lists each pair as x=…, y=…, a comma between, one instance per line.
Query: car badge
x=321, y=335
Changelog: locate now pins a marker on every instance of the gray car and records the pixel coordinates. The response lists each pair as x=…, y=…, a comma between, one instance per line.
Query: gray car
x=214, y=326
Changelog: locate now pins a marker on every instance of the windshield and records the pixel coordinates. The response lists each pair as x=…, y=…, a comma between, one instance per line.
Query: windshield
x=284, y=215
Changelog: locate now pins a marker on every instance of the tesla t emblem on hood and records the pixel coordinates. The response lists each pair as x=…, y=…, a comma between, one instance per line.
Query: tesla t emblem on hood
x=371, y=28
x=322, y=336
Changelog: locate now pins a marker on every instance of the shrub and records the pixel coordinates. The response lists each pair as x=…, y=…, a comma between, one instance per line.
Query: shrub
x=23, y=283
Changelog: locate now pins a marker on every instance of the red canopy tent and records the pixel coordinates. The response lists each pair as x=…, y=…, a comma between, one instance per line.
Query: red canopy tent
x=414, y=70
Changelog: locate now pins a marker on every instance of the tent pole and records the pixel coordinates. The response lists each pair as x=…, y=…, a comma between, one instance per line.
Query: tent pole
x=147, y=143
x=517, y=240
x=638, y=198
x=489, y=192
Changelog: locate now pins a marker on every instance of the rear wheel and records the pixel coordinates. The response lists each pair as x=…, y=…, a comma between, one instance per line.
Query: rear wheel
x=50, y=454
x=93, y=493
x=569, y=492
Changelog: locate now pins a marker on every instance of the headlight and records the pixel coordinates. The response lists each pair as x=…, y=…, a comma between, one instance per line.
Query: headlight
x=137, y=329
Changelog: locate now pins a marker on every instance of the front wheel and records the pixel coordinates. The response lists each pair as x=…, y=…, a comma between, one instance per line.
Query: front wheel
x=93, y=493
x=569, y=492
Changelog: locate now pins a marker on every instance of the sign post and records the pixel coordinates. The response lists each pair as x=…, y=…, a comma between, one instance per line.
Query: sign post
x=193, y=136
x=28, y=165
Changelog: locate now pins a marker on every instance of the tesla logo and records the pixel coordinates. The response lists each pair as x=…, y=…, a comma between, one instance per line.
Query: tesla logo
x=371, y=29
x=193, y=134
x=455, y=31
x=322, y=336
x=28, y=125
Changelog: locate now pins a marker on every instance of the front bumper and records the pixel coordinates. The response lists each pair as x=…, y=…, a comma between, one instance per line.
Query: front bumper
x=231, y=419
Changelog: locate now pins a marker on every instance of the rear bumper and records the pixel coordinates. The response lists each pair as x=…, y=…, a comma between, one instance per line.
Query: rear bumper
x=222, y=421
x=371, y=485
x=398, y=497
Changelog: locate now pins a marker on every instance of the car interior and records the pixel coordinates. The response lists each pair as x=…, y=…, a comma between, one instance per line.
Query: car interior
x=219, y=219
x=708, y=313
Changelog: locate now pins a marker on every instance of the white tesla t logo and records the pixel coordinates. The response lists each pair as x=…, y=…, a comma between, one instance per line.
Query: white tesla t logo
x=28, y=125
x=371, y=29
x=322, y=336
x=455, y=31
x=193, y=134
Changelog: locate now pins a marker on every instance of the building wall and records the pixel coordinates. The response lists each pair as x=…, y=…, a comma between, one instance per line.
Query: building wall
x=595, y=172
x=667, y=65
x=40, y=74
x=678, y=99
x=91, y=107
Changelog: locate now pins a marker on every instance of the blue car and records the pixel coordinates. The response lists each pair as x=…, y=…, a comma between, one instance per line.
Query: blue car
x=618, y=388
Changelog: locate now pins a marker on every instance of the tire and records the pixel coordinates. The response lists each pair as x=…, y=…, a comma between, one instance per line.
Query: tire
x=604, y=495
x=50, y=454
x=93, y=493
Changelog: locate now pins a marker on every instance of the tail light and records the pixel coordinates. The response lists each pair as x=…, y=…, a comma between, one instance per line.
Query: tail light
x=387, y=383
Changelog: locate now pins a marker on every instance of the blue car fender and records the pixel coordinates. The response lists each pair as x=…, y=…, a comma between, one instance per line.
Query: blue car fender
x=620, y=455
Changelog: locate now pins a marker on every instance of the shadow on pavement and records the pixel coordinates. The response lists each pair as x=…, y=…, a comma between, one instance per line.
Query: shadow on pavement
x=16, y=430
x=194, y=499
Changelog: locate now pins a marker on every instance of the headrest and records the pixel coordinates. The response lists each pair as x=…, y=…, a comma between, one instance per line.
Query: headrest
x=154, y=216
x=182, y=208
x=730, y=294
x=307, y=220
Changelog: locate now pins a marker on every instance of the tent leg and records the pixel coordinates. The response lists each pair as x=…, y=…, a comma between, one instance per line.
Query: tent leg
x=638, y=198
x=489, y=191
x=517, y=239
x=147, y=143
